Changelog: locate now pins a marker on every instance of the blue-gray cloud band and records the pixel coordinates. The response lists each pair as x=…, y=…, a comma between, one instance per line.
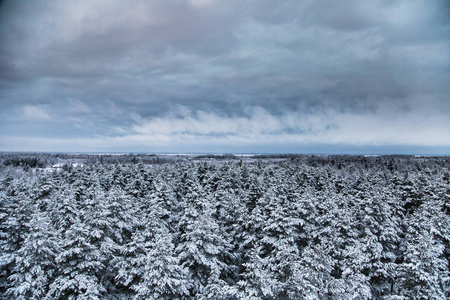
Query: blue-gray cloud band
x=108, y=71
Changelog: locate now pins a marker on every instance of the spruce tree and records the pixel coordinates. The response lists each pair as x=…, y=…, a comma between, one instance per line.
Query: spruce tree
x=35, y=263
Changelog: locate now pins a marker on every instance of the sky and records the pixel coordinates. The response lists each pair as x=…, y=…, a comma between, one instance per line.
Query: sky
x=300, y=76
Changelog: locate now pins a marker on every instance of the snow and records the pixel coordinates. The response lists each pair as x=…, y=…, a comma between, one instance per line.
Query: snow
x=304, y=228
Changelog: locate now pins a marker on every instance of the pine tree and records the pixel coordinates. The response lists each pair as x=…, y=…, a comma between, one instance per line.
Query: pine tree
x=202, y=248
x=120, y=215
x=310, y=274
x=86, y=248
x=16, y=211
x=35, y=260
x=79, y=264
x=424, y=274
x=131, y=265
x=162, y=276
x=257, y=282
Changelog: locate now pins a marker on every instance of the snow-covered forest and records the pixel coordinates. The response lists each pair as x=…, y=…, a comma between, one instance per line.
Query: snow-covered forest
x=291, y=227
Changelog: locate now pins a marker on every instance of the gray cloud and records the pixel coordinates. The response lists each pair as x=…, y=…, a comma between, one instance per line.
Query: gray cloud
x=100, y=72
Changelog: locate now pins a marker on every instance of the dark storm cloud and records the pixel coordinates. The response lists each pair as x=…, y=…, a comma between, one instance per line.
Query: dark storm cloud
x=172, y=74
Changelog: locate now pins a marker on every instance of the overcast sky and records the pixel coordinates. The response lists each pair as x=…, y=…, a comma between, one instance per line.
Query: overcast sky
x=314, y=76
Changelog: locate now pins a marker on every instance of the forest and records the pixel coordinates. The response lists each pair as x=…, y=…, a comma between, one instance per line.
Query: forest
x=227, y=227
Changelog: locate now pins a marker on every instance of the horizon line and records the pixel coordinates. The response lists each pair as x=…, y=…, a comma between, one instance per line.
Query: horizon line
x=194, y=153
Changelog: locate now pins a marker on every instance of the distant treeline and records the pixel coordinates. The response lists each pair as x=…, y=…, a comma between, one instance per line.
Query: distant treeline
x=32, y=160
x=284, y=227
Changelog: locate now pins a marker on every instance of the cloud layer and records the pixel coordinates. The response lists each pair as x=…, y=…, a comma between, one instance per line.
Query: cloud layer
x=205, y=75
